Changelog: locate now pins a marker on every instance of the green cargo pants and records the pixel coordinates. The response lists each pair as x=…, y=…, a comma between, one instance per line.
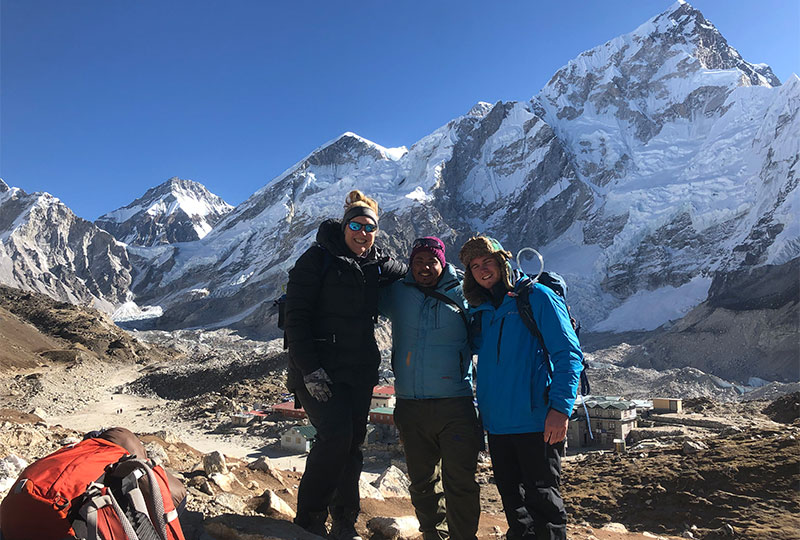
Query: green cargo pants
x=441, y=439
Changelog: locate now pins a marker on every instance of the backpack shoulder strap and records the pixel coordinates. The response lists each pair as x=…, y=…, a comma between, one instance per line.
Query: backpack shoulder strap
x=447, y=300
x=526, y=312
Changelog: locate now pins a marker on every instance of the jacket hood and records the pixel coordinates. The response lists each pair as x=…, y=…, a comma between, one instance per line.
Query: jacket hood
x=477, y=295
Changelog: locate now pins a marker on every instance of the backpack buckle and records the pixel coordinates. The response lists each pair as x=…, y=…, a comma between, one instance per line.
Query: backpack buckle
x=60, y=502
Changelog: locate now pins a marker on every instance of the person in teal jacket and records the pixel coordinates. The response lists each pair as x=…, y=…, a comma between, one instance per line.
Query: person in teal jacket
x=432, y=364
x=525, y=397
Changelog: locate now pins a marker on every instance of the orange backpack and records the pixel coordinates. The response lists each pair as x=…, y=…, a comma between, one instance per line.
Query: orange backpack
x=95, y=490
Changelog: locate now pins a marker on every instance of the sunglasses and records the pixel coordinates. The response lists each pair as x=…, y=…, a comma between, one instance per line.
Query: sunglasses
x=356, y=226
x=426, y=242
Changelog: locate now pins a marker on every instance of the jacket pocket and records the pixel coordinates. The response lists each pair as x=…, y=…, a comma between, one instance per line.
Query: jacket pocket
x=540, y=383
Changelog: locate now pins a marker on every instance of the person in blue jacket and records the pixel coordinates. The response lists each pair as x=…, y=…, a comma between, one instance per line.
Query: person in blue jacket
x=524, y=397
x=435, y=414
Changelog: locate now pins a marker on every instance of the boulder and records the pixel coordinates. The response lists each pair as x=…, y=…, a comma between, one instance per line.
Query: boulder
x=157, y=453
x=10, y=467
x=232, y=502
x=201, y=483
x=264, y=464
x=393, y=483
x=167, y=436
x=394, y=528
x=271, y=505
x=368, y=491
x=214, y=463
x=226, y=481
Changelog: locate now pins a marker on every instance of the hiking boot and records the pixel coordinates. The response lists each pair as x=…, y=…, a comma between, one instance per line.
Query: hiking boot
x=343, y=530
x=313, y=522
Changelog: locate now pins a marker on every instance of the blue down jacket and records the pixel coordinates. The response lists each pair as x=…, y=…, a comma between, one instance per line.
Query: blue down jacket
x=515, y=388
x=431, y=356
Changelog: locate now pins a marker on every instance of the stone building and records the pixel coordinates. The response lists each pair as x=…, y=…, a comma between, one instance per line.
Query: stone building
x=610, y=418
x=298, y=438
x=667, y=405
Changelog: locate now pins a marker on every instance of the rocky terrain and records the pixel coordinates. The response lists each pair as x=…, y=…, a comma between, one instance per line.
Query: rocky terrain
x=738, y=478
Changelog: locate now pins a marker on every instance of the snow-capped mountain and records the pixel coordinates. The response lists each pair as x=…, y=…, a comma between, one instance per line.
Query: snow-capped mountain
x=46, y=248
x=656, y=172
x=175, y=211
x=645, y=166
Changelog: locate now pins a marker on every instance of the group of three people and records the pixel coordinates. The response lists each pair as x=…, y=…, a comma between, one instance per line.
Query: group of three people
x=525, y=388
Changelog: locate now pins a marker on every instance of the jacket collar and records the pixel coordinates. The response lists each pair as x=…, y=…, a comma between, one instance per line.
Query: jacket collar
x=508, y=301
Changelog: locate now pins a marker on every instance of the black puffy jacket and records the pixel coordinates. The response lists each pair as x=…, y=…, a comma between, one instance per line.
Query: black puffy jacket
x=331, y=305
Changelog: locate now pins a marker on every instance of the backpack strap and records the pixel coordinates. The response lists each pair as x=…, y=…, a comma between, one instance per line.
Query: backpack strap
x=447, y=300
x=526, y=314
x=131, y=489
x=97, y=498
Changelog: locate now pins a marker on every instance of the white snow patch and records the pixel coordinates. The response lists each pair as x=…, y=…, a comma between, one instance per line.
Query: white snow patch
x=130, y=311
x=647, y=310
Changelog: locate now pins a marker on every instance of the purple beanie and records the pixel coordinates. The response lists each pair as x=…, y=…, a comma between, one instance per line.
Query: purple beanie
x=430, y=244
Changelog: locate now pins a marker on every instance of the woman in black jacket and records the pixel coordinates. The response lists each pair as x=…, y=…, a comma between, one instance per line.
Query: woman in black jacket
x=331, y=306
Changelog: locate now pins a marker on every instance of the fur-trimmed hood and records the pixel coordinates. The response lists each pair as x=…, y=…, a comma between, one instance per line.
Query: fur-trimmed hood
x=481, y=246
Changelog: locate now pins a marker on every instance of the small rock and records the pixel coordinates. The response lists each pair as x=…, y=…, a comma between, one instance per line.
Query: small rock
x=214, y=463
x=687, y=534
x=157, y=453
x=693, y=447
x=615, y=527
x=394, y=528
x=253, y=486
x=167, y=436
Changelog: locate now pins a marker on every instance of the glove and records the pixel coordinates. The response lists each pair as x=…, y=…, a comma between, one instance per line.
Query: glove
x=317, y=383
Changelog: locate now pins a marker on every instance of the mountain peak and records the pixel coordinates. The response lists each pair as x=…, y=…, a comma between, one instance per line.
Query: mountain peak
x=176, y=210
x=480, y=109
x=3, y=186
x=682, y=20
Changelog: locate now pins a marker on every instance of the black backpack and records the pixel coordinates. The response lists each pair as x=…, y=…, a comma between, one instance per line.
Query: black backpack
x=558, y=285
x=280, y=303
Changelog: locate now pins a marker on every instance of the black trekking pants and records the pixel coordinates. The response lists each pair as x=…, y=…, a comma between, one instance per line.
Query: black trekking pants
x=527, y=472
x=441, y=439
x=333, y=466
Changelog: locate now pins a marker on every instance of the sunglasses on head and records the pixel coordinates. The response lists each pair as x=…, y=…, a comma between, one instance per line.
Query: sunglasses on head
x=426, y=242
x=356, y=226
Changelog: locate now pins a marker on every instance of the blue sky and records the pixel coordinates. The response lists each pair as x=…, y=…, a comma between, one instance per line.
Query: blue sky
x=101, y=100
